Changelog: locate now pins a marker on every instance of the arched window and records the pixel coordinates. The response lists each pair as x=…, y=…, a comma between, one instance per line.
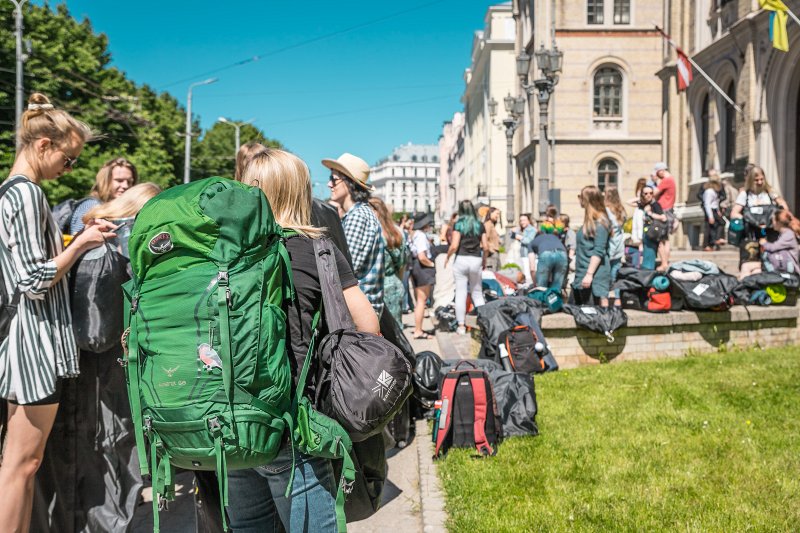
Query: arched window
x=414, y=158
x=608, y=92
x=607, y=174
x=704, y=128
x=730, y=128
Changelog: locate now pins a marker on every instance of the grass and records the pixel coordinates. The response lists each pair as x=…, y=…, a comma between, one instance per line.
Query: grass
x=709, y=442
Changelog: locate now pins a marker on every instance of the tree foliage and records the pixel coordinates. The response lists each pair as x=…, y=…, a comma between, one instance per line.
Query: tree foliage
x=70, y=63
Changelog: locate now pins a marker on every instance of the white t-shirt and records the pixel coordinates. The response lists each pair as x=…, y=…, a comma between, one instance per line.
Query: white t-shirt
x=750, y=199
x=420, y=243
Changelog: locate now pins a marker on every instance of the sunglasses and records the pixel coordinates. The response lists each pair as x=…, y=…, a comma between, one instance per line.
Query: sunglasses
x=334, y=179
x=69, y=162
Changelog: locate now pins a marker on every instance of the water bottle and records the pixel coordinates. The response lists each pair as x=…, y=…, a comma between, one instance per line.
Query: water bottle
x=505, y=359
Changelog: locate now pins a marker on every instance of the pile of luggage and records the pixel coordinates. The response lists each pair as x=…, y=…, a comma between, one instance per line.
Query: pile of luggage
x=698, y=285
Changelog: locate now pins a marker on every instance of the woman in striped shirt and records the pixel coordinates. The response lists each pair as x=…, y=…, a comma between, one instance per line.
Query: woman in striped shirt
x=40, y=347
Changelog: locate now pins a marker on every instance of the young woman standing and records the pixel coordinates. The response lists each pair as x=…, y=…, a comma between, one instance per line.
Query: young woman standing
x=592, y=271
x=469, y=245
x=40, y=348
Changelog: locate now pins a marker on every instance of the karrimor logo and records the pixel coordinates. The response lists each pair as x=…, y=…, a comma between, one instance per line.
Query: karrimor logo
x=384, y=387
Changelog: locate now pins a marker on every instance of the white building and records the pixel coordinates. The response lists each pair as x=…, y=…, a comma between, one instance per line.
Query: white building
x=451, y=157
x=408, y=179
x=490, y=77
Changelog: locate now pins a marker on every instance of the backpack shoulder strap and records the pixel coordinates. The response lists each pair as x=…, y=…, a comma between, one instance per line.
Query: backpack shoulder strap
x=337, y=315
x=481, y=408
x=445, y=415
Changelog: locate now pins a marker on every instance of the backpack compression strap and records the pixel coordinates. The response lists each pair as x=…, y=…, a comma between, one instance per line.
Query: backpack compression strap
x=481, y=408
x=448, y=392
x=132, y=374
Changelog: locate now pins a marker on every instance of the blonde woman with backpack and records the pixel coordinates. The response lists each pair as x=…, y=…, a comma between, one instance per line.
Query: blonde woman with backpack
x=257, y=500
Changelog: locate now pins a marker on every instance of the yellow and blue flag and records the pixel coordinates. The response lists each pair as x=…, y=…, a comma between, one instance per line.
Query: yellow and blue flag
x=777, y=23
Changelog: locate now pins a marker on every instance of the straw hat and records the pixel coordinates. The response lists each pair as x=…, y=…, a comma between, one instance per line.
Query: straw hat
x=351, y=166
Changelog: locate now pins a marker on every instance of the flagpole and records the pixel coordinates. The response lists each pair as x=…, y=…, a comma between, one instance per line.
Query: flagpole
x=794, y=17
x=701, y=71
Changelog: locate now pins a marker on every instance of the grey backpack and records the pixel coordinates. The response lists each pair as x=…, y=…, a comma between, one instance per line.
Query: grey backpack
x=363, y=378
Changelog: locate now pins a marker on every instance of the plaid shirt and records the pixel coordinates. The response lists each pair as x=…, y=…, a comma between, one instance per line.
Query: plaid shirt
x=364, y=239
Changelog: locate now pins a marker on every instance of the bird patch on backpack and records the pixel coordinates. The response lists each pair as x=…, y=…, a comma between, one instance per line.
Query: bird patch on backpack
x=209, y=357
x=384, y=387
x=161, y=243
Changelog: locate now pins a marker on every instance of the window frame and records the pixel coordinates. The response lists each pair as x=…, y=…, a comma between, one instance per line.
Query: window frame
x=598, y=12
x=603, y=184
x=598, y=99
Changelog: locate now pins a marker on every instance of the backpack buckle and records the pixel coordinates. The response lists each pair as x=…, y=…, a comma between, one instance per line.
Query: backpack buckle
x=122, y=362
x=148, y=425
x=222, y=278
x=163, y=503
x=214, y=426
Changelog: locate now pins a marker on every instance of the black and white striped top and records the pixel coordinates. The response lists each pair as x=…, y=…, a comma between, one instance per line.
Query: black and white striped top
x=40, y=345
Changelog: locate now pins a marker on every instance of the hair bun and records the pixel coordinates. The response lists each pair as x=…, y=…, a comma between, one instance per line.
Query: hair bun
x=38, y=98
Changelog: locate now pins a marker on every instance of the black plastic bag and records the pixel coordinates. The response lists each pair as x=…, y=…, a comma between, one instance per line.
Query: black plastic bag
x=602, y=320
x=96, y=298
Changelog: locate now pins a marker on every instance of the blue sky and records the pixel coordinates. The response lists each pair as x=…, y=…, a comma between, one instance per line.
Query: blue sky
x=364, y=91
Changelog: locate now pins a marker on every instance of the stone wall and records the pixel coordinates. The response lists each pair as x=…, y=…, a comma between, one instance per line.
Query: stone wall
x=674, y=334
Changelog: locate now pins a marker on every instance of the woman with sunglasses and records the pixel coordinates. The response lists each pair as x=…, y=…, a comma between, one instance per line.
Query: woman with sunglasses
x=652, y=212
x=114, y=178
x=40, y=348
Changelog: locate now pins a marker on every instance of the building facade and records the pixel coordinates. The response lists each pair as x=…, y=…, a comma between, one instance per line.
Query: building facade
x=604, y=116
x=729, y=40
x=408, y=179
x=489, y=78
x=451, y=167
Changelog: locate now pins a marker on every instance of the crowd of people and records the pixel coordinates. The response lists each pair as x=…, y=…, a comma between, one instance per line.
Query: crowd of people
x=385, y=265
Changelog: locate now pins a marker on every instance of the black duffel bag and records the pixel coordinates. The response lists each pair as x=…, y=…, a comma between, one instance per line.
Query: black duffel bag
x=363, y=379
x=95, y=287
x=712, y=292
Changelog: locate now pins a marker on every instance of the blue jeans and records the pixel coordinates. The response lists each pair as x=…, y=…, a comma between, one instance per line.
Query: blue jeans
x=256, y=502
x=633, y=256
x=649, y=254
x=615, y=264
x=551, y=269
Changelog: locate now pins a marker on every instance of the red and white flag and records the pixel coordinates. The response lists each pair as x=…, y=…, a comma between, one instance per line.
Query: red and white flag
x=683, y=64
x=684, y=71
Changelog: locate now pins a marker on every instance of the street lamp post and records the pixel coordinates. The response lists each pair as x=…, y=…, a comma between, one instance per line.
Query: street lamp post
x=20, y=60
x=187, y=165
x=515, y=108
x=237, y=126
x=549, y=62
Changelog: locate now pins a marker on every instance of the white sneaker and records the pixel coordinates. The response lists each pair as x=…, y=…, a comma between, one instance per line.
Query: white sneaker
x=461, y=330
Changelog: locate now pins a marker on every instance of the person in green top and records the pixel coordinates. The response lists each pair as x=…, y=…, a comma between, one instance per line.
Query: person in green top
x=592, y=272
x=396, y=255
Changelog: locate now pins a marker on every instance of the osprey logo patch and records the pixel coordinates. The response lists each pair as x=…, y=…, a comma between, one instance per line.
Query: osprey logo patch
x=161, y=243
x=170, y=371
x=384, y=387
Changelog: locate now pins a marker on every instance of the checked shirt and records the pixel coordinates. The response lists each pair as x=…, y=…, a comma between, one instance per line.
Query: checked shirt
x=363, y=233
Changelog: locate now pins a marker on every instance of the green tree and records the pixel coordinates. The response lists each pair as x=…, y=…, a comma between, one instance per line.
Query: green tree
x=70, y=63
x=215, y=154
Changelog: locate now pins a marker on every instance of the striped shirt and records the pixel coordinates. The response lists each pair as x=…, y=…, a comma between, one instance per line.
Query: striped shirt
x=40, y=345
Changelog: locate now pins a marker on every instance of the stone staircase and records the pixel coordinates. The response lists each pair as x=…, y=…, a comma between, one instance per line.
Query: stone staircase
x=727, y=259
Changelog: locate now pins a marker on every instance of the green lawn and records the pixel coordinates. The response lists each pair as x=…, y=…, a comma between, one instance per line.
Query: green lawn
x=705, y=443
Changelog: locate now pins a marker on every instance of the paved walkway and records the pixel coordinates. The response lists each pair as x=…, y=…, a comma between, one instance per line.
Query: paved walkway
x=413, y=502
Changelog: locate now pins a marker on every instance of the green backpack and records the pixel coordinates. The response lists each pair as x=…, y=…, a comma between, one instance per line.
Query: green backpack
x=208, y=373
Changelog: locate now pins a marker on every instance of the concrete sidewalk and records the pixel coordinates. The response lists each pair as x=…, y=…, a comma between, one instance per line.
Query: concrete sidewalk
x=413, y=502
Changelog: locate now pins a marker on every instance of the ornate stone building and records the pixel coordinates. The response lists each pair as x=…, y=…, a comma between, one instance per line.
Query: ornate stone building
x=408, y=179
x=605, y=116
x=729, y=40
